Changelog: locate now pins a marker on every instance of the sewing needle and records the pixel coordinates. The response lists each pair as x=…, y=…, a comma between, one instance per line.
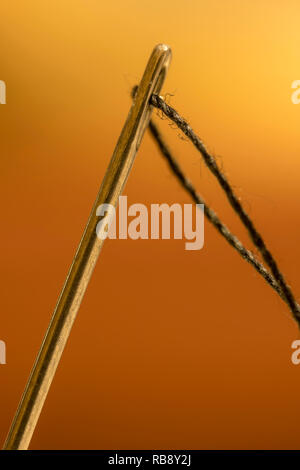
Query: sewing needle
x=68, y=304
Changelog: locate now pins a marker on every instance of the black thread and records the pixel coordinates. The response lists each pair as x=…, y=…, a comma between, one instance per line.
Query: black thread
x=257, y=239
x=209, y=213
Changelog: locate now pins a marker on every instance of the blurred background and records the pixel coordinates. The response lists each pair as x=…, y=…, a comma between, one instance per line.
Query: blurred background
x=171, y=348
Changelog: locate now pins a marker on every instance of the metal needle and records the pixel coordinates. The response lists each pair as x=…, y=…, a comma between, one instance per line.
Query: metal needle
x=86, y=256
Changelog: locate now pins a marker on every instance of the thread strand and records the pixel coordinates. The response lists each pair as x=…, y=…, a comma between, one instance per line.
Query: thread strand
x=209, y=213
x=211, y=163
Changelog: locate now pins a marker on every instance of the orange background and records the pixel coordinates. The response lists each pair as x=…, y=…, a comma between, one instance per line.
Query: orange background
x=171, y=348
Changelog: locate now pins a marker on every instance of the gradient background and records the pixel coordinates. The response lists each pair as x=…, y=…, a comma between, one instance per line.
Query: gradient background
x=171, y=348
